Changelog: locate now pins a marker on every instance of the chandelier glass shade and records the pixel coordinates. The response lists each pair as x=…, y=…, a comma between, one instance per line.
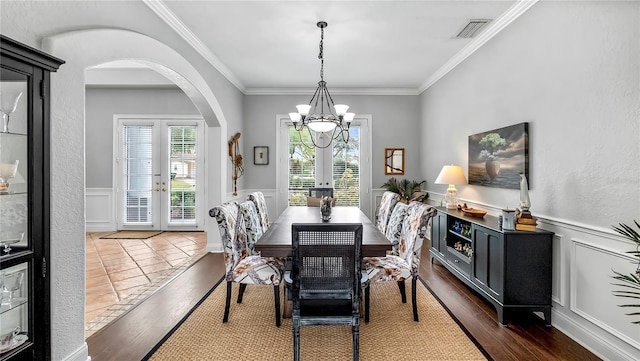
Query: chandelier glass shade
x=318, y=116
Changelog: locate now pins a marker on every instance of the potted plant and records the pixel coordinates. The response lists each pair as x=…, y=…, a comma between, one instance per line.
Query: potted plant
x=408, y=190
x=630, y=283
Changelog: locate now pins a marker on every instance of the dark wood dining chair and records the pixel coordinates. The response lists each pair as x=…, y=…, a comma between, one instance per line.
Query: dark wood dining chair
x=326, y=275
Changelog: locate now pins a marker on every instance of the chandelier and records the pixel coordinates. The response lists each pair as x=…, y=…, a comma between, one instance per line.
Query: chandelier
x=318, y=115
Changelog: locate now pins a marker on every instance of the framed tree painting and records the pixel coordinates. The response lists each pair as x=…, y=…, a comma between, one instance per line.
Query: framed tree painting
x=497, y=157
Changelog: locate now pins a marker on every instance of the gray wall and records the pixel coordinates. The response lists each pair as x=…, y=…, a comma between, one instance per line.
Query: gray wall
x=570, y=69
x=100, y=106
x=395, y=123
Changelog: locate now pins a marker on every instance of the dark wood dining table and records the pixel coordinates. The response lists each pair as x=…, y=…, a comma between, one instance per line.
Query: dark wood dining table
x=276, y=242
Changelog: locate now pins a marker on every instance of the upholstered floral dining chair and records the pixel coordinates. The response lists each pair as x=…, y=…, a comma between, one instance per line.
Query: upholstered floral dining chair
x=242, y=267
x=388, y=201
x=261, y=207
x=406, y=264
x=252, y=225
x=394, y=227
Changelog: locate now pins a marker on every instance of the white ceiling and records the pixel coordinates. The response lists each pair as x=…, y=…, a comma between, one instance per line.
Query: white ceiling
x=390, y=47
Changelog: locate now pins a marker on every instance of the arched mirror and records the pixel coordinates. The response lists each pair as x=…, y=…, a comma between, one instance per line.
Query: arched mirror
x=394, y=161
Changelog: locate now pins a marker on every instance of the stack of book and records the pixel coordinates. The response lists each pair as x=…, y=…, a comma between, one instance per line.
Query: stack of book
x=526, y=222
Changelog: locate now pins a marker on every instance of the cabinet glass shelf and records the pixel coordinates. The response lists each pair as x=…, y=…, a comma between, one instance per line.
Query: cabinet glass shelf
x=15, y=303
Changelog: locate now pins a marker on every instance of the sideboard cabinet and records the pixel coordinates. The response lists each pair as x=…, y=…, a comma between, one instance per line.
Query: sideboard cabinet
x=24, y=201
x=510, y=269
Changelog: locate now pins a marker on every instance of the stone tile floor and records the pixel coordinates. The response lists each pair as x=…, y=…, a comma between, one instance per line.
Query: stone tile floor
x=122, y=272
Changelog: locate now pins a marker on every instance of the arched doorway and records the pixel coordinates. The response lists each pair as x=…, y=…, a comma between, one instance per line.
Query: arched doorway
x=81, y=50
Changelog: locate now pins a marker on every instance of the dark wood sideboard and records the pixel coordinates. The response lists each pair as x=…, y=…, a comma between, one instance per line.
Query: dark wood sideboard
x=510, y=269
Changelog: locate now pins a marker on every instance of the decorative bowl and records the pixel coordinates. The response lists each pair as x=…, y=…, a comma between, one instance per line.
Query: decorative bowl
x=472, y=212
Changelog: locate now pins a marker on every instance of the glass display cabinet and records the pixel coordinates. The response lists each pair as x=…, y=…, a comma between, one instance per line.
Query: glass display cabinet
x=24, y=201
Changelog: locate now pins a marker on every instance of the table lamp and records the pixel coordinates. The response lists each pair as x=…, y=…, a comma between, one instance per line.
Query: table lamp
x=451, y=175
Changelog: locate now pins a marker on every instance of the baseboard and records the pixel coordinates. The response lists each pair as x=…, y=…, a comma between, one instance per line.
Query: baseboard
x=80, y=354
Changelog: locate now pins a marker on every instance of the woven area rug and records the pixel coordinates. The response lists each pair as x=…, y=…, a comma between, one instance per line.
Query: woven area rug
x=251, y=333
x=131, y=235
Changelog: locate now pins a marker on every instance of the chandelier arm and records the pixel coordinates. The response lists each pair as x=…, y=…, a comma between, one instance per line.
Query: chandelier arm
x=340, y=133
x=330, y=98
x=319, y=95
x=302, y=139
x=314, y=95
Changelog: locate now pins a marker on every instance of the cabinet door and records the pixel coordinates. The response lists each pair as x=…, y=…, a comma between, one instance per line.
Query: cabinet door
x=24, y=201
x=439, y=233
x=487, y=269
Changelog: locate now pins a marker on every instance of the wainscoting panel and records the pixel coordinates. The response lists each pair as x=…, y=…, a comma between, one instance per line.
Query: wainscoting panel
x=558, y=284
x=591, y=269
x=100, y=213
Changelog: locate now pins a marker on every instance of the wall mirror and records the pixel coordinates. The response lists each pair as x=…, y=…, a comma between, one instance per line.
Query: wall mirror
x=394, y=161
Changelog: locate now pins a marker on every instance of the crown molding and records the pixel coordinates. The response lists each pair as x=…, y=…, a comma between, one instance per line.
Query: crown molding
x=514, y=12
x=158, y=7
x=334, y=91
x=517, y=9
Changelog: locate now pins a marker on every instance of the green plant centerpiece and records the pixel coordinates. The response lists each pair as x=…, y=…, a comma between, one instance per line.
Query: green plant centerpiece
x=409, y=190
x=630, y=284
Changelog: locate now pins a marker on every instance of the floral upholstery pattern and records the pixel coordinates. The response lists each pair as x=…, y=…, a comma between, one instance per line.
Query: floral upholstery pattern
x=388, y=201
x=252, y=225
x=261, y=206
x=405, y=265
x=394, y=228
x=241, y=266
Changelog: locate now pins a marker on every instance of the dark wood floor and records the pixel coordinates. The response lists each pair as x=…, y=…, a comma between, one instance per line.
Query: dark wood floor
x=136, y=334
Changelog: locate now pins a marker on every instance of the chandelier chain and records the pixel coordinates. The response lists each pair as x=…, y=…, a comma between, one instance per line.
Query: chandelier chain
x=321, y=54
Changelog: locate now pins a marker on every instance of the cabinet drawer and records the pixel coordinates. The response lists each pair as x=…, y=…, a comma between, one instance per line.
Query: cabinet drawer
x=459, y=261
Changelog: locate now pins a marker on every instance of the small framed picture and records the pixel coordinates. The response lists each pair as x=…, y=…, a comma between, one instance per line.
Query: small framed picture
x=261, y=155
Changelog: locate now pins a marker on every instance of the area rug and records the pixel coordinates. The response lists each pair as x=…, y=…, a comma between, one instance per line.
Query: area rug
x=251, y=333
x=131, y=235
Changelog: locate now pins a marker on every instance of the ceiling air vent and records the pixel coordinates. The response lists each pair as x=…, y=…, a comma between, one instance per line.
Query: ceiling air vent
x=471, y=28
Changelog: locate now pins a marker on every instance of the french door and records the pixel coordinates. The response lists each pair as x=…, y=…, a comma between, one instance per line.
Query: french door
x=342, y=166
x=157, y=173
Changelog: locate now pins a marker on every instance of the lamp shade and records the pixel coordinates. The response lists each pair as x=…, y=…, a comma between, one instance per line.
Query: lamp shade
x=348, y=117
x=295, y=117
x=451, y=174
x=303, y=109
x=322, y=126
x=341, y=109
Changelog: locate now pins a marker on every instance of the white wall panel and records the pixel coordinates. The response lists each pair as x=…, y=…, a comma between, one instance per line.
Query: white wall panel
x=591, y=269
x=100, y=216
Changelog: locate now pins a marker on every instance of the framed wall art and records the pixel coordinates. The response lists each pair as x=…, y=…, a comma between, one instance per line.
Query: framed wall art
x=497, y=157
x=261, y=155
x=394, y=161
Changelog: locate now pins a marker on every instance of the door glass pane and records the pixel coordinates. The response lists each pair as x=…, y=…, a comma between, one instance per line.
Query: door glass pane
x=138, y=174
x=182, y=165
x=346, y=169
x=14, y=307
x=302, y=167
x=14, y=166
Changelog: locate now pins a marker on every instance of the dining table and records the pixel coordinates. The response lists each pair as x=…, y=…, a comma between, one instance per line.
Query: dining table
x=276, y=241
